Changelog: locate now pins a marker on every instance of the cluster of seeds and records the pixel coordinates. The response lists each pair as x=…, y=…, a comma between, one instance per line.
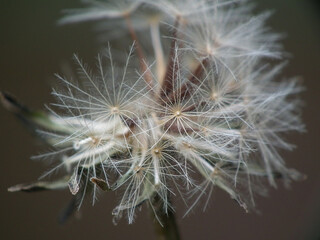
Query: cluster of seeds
x=193, y=105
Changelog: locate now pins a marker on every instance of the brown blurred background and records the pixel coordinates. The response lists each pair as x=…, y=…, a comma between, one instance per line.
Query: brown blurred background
x=33, y=48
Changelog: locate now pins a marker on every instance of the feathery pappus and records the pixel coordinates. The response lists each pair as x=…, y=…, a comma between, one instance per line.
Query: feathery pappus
x=195, y=104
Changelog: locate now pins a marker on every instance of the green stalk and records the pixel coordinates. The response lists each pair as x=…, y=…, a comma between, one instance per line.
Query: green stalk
x=164, y=223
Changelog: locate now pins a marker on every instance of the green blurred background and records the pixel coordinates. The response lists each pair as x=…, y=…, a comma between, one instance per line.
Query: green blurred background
x=33, y=48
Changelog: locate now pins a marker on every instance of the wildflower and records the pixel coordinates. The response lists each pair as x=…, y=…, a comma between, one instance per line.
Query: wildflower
x=203, y=104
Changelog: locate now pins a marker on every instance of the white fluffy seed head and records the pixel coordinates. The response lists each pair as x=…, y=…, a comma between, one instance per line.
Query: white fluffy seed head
x=203, y=100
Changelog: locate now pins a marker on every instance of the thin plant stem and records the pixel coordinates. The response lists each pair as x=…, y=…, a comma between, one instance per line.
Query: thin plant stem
x=142, y=59
x=164, y=221
x=158, y=51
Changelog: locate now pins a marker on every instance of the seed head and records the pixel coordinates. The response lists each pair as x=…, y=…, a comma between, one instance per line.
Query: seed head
x=194, y=106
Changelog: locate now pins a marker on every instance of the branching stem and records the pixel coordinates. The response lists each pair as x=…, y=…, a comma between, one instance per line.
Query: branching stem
x=194, y=79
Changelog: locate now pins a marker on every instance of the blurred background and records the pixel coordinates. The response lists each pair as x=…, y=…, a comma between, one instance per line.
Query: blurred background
x=33, y=48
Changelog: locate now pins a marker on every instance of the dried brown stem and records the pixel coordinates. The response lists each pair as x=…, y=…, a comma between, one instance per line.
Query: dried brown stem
x=142, y=59
x=172, y=66
x=185, y=90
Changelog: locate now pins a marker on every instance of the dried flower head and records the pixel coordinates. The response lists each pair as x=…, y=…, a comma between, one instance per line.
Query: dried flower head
x=202, y=108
